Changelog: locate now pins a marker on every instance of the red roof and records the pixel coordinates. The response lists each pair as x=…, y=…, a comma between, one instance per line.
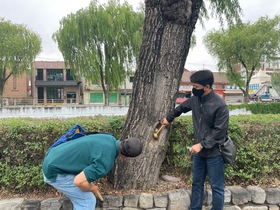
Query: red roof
x=180, y=100
x=219, y=77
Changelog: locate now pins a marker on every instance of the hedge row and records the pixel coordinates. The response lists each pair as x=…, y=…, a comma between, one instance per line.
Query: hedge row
x=258, y=108
x=257, y=138
x=24, y=143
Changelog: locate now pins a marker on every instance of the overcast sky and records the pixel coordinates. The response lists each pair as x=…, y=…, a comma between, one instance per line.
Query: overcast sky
x=43, y=16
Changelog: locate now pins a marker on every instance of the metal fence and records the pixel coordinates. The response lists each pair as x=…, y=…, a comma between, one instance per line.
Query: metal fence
x=12, y=102
x=7, y=102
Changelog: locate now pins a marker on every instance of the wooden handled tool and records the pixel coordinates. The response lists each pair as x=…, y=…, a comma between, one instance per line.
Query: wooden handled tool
x=156, y=134
x=98, y=194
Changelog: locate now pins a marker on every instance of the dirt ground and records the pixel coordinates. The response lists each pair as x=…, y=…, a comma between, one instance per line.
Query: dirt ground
x=104, y=188
x=162, y=186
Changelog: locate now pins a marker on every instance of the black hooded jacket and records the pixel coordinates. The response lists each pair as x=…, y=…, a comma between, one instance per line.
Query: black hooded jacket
x=210, y=120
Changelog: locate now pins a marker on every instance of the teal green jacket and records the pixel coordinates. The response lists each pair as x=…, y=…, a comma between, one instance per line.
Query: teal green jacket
x=94, y=154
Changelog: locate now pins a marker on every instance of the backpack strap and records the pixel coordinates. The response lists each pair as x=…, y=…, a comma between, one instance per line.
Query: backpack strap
x=97, y=132
x=75, y=132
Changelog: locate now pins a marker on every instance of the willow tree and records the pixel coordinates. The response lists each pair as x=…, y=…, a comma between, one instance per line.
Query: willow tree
x=168, y=27
x=101, y=43
x=244, y=45
x=18, y=49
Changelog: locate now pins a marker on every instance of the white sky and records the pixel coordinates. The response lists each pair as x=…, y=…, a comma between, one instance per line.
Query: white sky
x=43, y=16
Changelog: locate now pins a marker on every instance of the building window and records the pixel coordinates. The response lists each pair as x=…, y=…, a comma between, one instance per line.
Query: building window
x=185, y=87
x=54, y=94
x=71, y=97
x=96, y=98
x=113, y=97
x=40, y=74
x=68, y=75
x=254, y=86
x=54, y=74
x=40, y=95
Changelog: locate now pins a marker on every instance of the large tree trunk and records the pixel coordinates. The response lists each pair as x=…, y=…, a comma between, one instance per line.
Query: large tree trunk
x=4, y=76
x=1, y=93
x=166, y=40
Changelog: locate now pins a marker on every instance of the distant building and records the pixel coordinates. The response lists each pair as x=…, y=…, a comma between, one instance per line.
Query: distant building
x=93, y=94
x=17, y=90
x=260, y=86
x=221, y=86
x=52, y=83
x=257, y=81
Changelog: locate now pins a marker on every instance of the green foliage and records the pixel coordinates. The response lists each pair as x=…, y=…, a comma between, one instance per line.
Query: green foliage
x=258, y=143
x=18, y=49
x=180, y=137
x=244, y=44
x=228, y=10
x=258, y=108
x=101, y=42
x=256, y=137
x=24, y=142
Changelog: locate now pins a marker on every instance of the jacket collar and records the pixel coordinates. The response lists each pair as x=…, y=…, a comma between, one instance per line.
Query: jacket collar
x=207, y=97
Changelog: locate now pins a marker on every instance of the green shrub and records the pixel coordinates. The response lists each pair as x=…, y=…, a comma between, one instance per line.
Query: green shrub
x=257, y=138
x=258, y=108
x=24, y=143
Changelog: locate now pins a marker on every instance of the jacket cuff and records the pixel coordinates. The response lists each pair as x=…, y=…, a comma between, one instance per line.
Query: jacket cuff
x=169, y=119
x=202, y=144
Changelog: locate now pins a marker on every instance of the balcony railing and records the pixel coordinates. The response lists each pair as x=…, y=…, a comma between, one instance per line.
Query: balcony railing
x=10, y=102
x=16, y=102
x=40, y=83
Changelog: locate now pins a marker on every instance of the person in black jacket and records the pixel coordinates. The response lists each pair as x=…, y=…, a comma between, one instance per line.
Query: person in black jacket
x=210, y=120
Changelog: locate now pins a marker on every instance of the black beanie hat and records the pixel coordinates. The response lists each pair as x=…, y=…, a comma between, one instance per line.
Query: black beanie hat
x=131, y=147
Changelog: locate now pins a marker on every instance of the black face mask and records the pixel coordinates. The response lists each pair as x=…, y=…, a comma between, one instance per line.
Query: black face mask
x=197, y=92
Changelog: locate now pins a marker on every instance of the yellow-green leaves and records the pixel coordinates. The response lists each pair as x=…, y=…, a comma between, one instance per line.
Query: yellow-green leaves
x=18, y=49
x=101, y=42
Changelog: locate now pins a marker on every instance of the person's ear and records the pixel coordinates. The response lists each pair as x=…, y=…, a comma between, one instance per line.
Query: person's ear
x=207, y=87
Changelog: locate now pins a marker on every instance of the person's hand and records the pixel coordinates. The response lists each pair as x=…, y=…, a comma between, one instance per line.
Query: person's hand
x=196, y=148
x=94, y=189
x=165, y=122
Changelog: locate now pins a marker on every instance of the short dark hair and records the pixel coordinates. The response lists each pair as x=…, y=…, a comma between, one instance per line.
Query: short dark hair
x=203, y=77
x=131, y=147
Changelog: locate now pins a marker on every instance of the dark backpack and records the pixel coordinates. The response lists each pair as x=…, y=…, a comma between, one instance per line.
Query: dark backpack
x=75, y=132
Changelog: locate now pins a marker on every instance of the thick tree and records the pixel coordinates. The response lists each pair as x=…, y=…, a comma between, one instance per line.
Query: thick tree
x=243, y=45
x=101, y=43
x=168, y=28
x=18, y=49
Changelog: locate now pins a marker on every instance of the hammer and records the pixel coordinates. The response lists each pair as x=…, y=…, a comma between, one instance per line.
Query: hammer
x=98, y=194
x=158, y=131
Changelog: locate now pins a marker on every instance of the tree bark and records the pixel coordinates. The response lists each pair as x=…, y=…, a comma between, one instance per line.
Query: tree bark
x=167, y=33
x=4, y=76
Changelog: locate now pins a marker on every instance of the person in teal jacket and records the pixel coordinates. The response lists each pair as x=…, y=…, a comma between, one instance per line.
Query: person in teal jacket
x=73, y=166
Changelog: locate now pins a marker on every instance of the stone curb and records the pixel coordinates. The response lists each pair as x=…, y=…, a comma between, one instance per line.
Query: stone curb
x=236, y=198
